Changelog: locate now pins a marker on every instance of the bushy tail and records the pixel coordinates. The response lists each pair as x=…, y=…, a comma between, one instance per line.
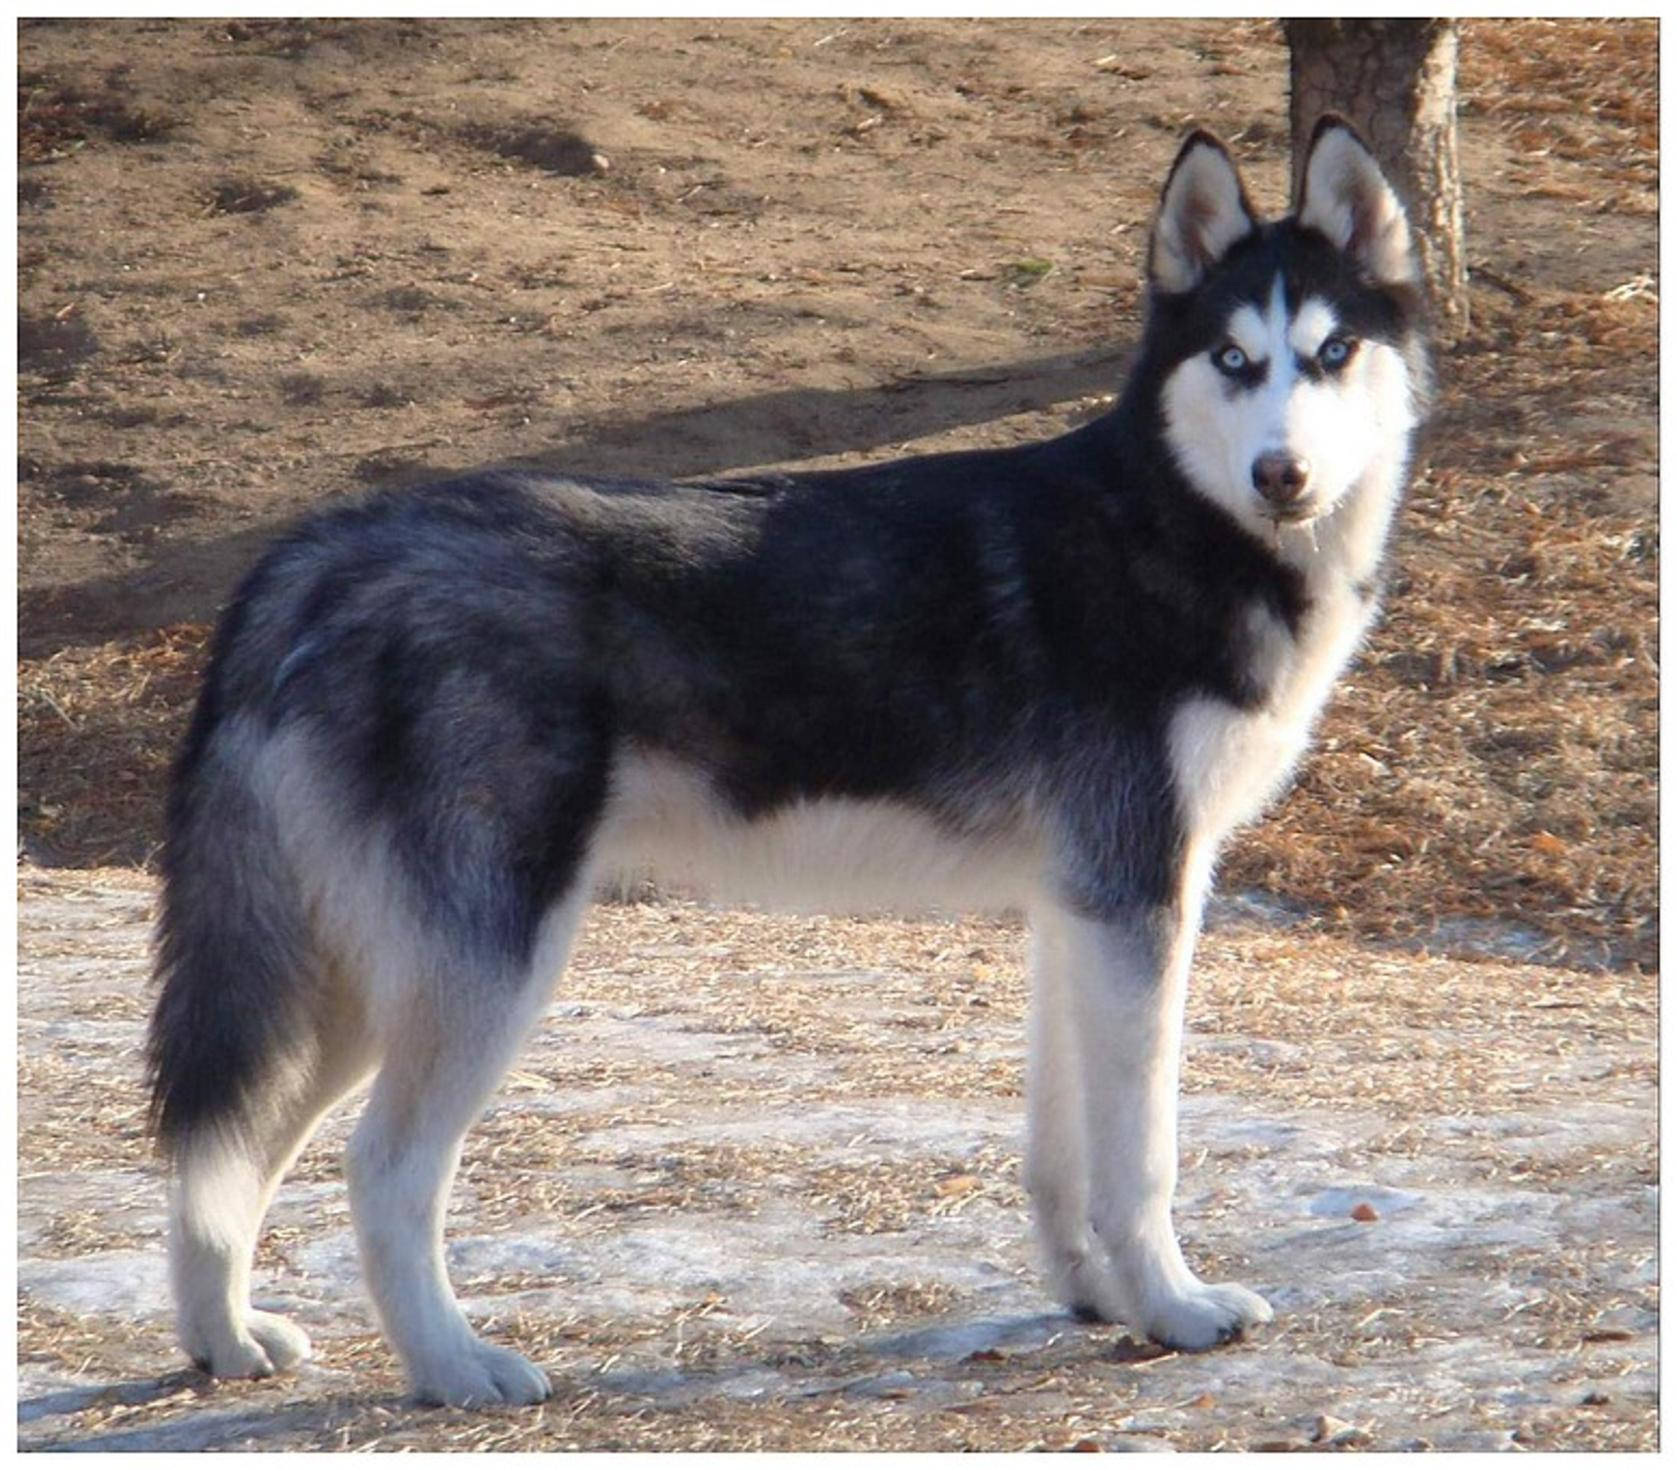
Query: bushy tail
x=233, y=950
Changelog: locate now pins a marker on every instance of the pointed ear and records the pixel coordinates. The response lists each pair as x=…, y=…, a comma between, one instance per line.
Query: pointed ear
x=1345, y=197
x=1202, y=212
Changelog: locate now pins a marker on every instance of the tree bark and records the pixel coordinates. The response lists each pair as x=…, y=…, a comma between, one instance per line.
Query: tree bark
x=1395, y=81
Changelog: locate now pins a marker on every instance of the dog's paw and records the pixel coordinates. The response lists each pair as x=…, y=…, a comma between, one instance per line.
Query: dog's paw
x=1201, y=1316
x=262, y=1345
x=285, y=1343
x=1086, y=1287
x=481, y=1375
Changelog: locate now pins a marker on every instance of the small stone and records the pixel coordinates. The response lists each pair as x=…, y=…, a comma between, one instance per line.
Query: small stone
x=1365, y=1212
x=878, y=97
x=1332, y=1431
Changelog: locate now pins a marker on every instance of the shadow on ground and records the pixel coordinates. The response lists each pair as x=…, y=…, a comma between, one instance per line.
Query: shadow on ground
x=185, y=581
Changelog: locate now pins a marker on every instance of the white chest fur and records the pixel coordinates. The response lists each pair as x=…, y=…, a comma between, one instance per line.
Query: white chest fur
x=1230, y=762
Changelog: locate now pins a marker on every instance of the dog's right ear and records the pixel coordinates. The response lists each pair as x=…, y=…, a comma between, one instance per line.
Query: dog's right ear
x=1202, y=212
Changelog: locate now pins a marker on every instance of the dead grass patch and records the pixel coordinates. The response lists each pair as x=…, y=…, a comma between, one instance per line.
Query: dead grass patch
x=55, y=118
x=97, y=730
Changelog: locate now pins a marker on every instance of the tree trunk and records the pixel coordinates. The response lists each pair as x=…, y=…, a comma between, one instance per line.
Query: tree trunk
x=1395, y=81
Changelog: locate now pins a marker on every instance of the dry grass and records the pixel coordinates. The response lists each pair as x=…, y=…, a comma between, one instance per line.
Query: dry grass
x=97, y=728
x=1532, y=76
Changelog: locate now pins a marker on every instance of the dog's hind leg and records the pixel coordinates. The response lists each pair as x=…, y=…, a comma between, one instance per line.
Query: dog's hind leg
x=446, y=1050
x=224, y=1181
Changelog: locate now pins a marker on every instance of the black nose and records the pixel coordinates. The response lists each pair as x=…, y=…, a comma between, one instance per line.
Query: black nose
x=1280, y=477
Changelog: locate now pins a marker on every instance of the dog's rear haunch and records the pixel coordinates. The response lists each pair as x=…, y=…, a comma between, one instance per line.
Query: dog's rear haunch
x=1053, y=676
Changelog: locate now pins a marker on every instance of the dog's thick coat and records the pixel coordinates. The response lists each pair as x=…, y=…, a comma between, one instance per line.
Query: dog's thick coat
x=1055, y=675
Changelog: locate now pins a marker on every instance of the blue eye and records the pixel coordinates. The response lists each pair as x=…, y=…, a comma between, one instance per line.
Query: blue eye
x=1334, y=353
x=1229, y=359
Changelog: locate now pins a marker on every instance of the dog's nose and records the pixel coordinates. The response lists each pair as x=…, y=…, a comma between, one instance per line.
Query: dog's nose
x=1280, y=477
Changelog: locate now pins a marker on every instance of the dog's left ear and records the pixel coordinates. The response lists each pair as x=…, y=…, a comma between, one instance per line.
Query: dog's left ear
x=1203, y=211
x=1345, y=197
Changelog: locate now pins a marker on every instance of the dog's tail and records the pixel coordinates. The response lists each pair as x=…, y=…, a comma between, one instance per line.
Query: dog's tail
x=233, y=954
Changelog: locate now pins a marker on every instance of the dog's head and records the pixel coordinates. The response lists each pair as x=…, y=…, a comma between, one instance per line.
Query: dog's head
x=1288, y=353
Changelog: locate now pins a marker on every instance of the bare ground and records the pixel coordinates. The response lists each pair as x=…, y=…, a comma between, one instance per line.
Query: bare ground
x=752, y=1161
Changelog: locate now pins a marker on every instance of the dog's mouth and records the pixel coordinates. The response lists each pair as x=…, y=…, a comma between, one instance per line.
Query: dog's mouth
x=1301, y=518
x=1297, y=513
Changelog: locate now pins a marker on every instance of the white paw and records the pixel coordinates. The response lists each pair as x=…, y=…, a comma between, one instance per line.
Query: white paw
x=285, y=1343
x=1084, y=1285
x=1072, y=1259
x=1201, y=1316
x=263, y=1345
x=481, y=1374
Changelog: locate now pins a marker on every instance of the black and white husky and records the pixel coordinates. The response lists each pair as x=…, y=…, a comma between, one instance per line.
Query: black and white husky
x=1054, y=675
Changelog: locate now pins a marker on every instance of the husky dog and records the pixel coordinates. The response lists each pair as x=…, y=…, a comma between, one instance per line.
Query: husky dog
x=1055, y=675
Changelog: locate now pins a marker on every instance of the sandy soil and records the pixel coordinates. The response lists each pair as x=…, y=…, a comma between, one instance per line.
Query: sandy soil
x=757, y=1183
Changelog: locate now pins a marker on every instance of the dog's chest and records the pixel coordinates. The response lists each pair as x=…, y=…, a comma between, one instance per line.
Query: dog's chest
x=1230, y=761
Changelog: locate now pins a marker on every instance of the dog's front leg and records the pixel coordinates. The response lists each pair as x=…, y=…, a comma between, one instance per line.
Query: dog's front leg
x=1056, y=1145
x=1124, y=980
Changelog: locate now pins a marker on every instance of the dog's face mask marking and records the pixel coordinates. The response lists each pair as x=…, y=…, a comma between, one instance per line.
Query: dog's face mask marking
x=1293, y=388
x=1286, y=413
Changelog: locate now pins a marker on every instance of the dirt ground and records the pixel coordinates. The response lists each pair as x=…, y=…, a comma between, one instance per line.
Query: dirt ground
x=265, y=263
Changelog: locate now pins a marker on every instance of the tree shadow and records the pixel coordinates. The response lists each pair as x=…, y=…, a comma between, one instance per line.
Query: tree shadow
x=812, y=423
x=185, y=580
